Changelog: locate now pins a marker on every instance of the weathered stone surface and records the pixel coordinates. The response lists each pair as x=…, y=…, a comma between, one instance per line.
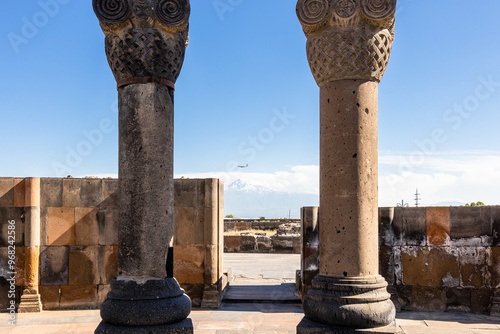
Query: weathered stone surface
x=50, y=297
x=410, y=226
x=184, y=228
x=387, y=269
x=494, y=266
x=19, y=193
x=8, y=215
x=79, y=297
x=430, y=267
x=248, y=243
x=495, y=222
x=473, y=267
x=109, y=193
x=7, y=191
x=386, y=230
x=54, y=265
x=20, y=266
x=83, y=266
x=481, y=300
x=61, y=226
x=189, y=264
x=438, y=226
x=149, y=303
x=51, y=191
x=183, y=327
x=458, y=299
x=186, y=193
x=91, y=193
x=107, y=219
x=71, y=193
x=86, y=227
x=108, y=264
x=428, y=299
x=287, y=243
x=467, y=222
x=404, y=293
x=195, y=293
x=232, y=243
x=264, y=243
x=102, y=293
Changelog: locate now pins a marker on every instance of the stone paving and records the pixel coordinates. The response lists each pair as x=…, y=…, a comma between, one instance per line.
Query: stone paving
x=251, y=319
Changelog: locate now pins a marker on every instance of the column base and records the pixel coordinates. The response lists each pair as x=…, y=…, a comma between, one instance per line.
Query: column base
x=183, y=327
x=152, y=303
x=352, y=302
x=30, y=303
x=306, y=326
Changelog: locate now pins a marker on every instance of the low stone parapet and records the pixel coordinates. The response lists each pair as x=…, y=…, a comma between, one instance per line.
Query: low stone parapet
x=250, y=243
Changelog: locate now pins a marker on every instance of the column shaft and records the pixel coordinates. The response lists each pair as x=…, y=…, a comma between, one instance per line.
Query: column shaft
x=348, y=179
x=146, y=202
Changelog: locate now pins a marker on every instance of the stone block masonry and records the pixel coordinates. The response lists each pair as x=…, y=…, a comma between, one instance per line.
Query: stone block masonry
x=434, y=259
x=78, y=252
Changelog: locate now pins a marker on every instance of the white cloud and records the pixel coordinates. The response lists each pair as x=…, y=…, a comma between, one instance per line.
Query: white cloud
x=458, y=176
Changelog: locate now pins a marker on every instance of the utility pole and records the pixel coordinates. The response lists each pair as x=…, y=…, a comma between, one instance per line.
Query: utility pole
x=417, y=199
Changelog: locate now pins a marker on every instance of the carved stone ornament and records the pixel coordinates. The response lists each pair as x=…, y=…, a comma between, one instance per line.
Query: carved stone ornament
x=347, y=39
x=146, y=40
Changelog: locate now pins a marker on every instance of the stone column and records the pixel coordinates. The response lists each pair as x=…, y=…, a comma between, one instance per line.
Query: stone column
x=348, y=47
x=30, y=299
x=145, y=47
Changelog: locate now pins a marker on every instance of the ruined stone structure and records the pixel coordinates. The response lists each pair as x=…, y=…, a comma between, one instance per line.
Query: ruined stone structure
x=78, y=240
x=434, y=258
x=348, y=47
x=145, y=47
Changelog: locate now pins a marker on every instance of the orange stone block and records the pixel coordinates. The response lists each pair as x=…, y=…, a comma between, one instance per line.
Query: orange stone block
x=50, y=297
x=19, y=193
x=61, y=227
x=189, y=264
x=79, y=296
x=430, y=267
x=438, y=226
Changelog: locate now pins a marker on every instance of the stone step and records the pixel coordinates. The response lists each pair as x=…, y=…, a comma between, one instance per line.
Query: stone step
x=285, y=293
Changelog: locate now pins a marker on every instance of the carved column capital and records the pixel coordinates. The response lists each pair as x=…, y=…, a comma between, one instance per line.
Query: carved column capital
x=146, y=40
x=347, y=39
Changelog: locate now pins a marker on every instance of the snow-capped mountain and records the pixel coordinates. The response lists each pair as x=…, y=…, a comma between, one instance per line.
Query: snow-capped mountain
x=245, y=200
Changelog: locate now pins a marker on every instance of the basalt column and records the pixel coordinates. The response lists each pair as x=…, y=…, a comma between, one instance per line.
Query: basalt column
x=145, y=46
x=348, y=48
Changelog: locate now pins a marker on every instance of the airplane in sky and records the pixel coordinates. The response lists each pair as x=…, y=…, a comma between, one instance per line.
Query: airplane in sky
x=243, y=166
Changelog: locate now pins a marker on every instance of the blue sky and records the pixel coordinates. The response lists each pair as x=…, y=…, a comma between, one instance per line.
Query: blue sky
x=246, y=95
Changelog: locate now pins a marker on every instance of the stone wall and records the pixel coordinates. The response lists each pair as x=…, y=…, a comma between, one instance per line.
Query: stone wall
x=237, y=224
x=435, y=258
x=254, y=243
x=79, y=238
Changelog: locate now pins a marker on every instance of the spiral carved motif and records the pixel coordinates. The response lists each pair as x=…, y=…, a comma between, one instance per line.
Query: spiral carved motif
x=172, y=12
x=312, y=12
x=112, y=11
x=378, y=9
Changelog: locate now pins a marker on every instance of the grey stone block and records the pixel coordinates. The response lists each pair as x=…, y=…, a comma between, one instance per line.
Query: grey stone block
x=248, y=243
x=51, y=192
x=109, y=193
x=107, y=219
x=54, y=265
x=183, y=327
x=386, y=231
x=7, y=215
x=410, y=226
x=6, y=191
x=467, y=222
x=91, y=193
x=71, y=193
